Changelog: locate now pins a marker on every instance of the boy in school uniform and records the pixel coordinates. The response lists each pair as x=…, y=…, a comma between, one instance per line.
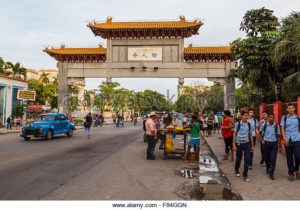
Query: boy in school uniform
x=254, y=123
x=243, y=143
x=270, y=133
x=290, y=129
x=265, y=115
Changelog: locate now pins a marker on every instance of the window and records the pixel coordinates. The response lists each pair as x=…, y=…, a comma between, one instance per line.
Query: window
x=63, y=117
x=45, y=118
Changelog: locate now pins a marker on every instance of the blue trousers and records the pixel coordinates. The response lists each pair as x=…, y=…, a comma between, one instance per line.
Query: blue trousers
x=251, y=155
x=262, y=152
x=8, y=126
x=151, y=140
x=87, y=130
x=270, y=152
x=293, y=157
x=246, y=149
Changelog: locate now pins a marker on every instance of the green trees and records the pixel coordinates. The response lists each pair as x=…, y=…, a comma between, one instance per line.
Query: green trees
x=268, y=55
x=287, y=55
x=44, y=92
x=193, y=100
x=3, y=68
x=111, y=96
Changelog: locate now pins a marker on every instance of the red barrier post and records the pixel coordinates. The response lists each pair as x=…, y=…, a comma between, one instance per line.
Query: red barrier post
x=262, y=108
x=277, y=109
x=298, y=105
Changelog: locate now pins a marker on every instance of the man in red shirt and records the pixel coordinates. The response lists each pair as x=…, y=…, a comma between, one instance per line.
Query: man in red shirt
x=151, y=135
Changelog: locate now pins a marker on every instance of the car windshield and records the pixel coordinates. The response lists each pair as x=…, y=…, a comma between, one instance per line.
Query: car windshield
x=45, y=118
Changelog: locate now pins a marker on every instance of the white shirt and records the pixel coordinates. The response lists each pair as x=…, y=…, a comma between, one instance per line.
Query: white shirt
x=216, y=119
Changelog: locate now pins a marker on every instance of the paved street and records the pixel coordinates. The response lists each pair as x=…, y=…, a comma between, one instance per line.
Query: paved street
x=102, y=167
x=30, y=170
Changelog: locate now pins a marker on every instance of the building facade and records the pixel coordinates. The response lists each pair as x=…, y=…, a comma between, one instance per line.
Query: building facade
x=8, y=96
x=52, y=74
x=32, y=75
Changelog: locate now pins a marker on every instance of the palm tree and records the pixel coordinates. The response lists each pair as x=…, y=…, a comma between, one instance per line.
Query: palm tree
x=73, y=90
x=287, y=51
x=17, y=70
x=3, y=68
x=44, y=78
x=55, y=80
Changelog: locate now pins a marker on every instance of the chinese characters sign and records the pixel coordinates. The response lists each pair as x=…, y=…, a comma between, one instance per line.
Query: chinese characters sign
x=145, y=53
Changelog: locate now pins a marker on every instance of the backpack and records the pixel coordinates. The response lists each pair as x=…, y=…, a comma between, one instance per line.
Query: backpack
x=265, y=127
x=285, y=117
x=239, y=126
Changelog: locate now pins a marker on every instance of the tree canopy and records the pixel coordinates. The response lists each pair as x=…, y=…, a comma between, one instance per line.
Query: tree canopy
x=269, y=54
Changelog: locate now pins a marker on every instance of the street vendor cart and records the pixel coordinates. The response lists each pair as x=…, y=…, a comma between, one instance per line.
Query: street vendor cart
x=164, y=133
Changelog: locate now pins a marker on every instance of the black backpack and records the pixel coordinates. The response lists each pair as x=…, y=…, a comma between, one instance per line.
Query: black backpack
x=265, y=127
x=285, y=117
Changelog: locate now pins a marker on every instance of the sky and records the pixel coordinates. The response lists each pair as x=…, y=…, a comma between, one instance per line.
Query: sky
x=28, y=26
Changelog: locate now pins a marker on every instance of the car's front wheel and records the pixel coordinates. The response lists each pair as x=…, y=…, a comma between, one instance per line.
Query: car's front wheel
x=49, y=135
x=26, y=138
x=70, y=133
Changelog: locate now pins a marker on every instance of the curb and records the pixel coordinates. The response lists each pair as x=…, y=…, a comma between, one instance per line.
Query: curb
x=17, y=131
x=241, y=195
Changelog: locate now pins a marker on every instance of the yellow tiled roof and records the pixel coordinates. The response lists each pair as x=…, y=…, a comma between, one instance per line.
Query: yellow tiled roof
x=83, y=51
x=182, y=23
x=209, y=50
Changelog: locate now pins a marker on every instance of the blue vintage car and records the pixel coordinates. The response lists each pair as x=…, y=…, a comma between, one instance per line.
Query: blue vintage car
x=48, y=125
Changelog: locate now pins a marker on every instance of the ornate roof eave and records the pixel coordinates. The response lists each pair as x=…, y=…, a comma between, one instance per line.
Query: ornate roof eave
x=132, y=30
x=78, y=55
x=98, y=55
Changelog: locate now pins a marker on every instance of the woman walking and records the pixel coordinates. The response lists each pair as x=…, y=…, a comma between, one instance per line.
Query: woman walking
x=227, y=133
x=87, y=124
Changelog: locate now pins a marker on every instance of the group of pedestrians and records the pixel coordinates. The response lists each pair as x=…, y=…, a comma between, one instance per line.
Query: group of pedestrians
x=196, y=122
x=98, y=120
x=240, y=136
x=15, y=122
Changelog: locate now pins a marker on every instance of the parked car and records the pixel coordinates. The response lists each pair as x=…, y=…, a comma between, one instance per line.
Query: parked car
x=48, y=125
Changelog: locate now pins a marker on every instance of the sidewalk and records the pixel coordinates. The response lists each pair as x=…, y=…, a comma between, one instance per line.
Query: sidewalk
x=5, y=131
x=260, y=187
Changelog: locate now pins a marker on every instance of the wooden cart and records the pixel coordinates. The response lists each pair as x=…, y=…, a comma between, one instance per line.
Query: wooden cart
x=165, y=132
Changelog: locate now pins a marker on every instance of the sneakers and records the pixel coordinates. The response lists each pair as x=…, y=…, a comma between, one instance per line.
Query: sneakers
x=261, y=163
x=291, y=177
x=250, y=167
x=271, y=177
x=267, y=171
x=237, y=173
x=246, y=179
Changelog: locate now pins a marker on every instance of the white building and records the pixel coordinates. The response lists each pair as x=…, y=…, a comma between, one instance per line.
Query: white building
x=8, y=96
